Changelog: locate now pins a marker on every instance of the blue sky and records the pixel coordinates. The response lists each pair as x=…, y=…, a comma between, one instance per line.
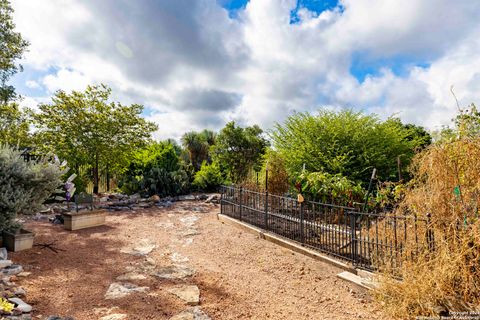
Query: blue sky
x=196, y=65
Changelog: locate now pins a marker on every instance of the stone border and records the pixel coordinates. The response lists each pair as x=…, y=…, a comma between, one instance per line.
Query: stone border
x=285, y=243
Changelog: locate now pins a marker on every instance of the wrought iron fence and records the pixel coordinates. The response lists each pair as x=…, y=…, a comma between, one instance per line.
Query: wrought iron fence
x=369, y=241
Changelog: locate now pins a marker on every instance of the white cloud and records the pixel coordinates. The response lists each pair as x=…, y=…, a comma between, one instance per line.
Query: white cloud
x=32, y=84
x=194, y=67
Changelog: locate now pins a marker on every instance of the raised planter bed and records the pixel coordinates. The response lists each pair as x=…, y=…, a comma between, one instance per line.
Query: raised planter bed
x=21, y=240
x=84, y=219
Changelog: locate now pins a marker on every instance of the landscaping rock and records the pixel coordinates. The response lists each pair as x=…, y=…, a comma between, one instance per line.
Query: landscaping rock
x=5, y=263
x=20, y=305
x=191, y=314
x=155, y=198
x=120, y=290
x=144, y=247
x=131, y=276
x=12, y=270
x=59, y=318
x=3, y=254
x=178, y=258
x=115, y=316
x=174, y=272
x=188, y=293
x=189, y=197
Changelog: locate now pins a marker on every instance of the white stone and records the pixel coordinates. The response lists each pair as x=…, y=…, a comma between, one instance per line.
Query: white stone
x=120, y=290
x=115, y=316
x=20, y=305
x=174, y=272
x=130, y=276
x=188, y=293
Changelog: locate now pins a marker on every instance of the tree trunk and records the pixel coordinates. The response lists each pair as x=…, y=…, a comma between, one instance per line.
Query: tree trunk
x=95, y=175
x=108, y=178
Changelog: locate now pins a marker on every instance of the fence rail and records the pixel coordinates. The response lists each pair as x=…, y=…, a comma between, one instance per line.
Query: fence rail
x=368, y=240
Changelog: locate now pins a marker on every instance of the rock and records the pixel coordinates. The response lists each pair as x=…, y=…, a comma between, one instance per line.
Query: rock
x=19, y=292
x=189, y=221
x=24, y=274
x=135, y=197
x=188, y=293
x=174, y=272
x=155, y=198
x=5, y=263
x=130, y=276
x=178, y=258
x=19, y=317
x=20, y=305
x=190, y=232
x=120, y=290
x=191, y=314
x=3, y=254
x=144, y=247
x=188, y=197
x=59, y=318
x=59, y=198
x=202, y=197
x=115, y=316
x=214, y=198
x=12, y=270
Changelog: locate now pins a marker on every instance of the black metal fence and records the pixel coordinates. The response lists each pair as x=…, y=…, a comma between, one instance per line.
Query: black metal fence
x=369, y=241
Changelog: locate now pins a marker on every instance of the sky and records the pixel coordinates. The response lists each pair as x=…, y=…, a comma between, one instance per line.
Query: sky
x=199, y=64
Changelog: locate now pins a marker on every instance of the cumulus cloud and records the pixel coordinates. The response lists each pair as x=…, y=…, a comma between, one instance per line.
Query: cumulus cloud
x=194, y=66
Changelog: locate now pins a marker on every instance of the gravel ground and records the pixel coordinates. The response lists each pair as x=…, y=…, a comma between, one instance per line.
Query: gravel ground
x=239, y=275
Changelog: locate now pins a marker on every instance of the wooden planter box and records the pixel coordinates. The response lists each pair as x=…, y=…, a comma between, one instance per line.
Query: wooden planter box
x=22, y=240
x=84, y=219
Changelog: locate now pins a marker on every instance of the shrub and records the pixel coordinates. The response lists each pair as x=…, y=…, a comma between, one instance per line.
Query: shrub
x=278, y=179
x=331, y=188
x=24, y=186
x=347, y=143
x=156, y=169
x=443, y=275
x=209, y=177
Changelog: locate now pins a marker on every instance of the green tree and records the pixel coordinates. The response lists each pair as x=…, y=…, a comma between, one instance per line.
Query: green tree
x=86, y=129
x=347, y=143
x=239, y=150
x=14, y=125
x=12, y=47
x=198, y=145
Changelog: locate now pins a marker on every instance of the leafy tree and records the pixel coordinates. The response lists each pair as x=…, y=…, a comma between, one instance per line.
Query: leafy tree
x=347, y=143
x=12, y=47
x=86, y=129
x=239, y=150
x=198, y=145
x=14, y=125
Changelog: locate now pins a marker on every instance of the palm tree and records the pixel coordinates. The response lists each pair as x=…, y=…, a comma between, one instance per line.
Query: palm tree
x=197, y=148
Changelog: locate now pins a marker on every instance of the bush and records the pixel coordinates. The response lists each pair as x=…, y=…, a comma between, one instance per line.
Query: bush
x=24, y=186
x=347, y=143
x=445, y=273
x=156, y=169
x=209, y=177
x=278, y=179
x=329, y=188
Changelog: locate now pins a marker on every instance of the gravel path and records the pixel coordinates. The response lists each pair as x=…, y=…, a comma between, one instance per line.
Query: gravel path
x=180, y=263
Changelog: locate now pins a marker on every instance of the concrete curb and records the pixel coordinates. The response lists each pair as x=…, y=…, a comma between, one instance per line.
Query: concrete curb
x=285, y=243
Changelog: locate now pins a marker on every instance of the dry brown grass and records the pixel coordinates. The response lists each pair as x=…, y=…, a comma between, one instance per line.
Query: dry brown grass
x=444, y=277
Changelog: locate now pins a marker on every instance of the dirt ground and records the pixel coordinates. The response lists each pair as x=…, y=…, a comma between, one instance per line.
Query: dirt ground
x=239, y=275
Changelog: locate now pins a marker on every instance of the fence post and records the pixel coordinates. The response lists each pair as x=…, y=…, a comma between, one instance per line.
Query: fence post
x=241, y=202
x=266, y=210
x=222, y=190
x=353, y=235
x=302, y=224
